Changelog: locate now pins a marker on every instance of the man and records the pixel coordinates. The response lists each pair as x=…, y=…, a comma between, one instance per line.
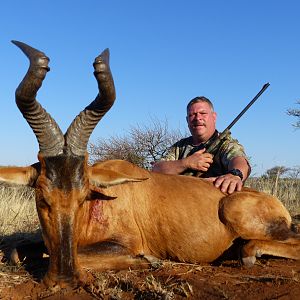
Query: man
x=228, y=168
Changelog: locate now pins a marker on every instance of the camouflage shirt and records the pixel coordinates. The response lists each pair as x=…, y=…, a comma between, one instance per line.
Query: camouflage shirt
x=228, y=149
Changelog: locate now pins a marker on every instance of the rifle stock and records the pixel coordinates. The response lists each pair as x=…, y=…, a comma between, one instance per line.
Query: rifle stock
x=213, y=147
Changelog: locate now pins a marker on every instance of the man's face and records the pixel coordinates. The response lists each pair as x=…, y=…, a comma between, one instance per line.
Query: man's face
x=201, y=121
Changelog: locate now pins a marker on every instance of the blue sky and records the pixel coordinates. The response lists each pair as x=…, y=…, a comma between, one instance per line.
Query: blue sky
x=163, y=53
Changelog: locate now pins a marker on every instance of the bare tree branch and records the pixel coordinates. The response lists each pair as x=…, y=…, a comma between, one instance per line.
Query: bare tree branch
x=143, y=145
x=295, y=113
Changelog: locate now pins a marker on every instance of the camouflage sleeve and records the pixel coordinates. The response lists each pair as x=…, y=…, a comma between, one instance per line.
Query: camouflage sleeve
x=230, y=149
x=171, y=153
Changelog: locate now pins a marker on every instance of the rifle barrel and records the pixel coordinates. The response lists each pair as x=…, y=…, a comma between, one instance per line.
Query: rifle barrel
x=247, y=107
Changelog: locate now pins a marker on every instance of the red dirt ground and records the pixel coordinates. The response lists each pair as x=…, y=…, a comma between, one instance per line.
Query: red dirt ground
x=270, y=278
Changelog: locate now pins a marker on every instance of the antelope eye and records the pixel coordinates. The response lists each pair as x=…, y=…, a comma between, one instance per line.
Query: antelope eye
x=43, y=204
x=81, y=201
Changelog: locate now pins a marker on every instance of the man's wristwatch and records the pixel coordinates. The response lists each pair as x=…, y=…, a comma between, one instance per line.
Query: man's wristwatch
x=236, y=172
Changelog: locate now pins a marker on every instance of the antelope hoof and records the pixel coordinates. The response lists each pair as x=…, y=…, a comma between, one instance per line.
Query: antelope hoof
x=14, y=258
x=75, y=281
x=249, y=261
x=155, y=263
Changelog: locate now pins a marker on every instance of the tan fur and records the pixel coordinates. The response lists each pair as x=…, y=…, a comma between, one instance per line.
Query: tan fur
x=181, y=219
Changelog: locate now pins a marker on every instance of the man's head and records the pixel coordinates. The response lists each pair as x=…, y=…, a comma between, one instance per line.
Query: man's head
x=201, y=119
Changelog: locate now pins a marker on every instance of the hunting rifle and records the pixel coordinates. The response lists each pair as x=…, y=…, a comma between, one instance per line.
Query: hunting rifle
x=213, y=147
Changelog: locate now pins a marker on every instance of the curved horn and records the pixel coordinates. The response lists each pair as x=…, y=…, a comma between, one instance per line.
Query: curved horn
x=81, y=128
x=47, y=132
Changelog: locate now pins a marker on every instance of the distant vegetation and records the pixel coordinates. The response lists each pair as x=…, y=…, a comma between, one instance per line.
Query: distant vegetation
x=18, y=216
x=285, y=189
x=142, y=144
x=295, y=113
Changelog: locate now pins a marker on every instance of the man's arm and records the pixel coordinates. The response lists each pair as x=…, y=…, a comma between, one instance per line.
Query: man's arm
x=199, y=161
x=169, y=166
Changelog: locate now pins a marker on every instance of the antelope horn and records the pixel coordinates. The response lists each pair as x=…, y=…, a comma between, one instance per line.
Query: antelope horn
x=81, y=128
x=47, y=132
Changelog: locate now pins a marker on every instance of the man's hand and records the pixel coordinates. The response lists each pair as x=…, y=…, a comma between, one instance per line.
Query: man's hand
x=199, y=161
x=227, y=183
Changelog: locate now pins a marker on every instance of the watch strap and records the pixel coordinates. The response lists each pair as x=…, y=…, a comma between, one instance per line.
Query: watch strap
x=236, y=172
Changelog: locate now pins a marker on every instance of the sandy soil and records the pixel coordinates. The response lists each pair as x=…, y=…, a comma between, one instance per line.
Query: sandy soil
x=270, y=278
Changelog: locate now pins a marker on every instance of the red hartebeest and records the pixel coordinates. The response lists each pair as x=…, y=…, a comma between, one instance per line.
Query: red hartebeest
x=114, y=214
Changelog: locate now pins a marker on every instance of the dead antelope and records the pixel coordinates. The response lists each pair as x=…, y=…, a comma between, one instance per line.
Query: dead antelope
x=114, y=214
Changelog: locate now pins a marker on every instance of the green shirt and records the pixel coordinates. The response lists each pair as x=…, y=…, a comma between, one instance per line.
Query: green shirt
x=229, y=148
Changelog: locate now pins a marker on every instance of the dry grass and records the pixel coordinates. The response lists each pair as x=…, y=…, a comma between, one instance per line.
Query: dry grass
x=11, y=275
x=17, y=210
x=287, y=190
x=117, y=284
x=18, y=220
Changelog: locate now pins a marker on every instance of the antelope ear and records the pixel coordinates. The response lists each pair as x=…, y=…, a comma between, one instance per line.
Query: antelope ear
x=106, y=178
x=20, y=175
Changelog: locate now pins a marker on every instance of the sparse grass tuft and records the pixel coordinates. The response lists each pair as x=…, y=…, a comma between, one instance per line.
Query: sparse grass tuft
x=116, y=285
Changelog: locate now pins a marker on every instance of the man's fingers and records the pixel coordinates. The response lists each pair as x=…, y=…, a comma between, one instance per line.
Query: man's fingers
x=219, y=181
x=225, y=185
x=230, y=188
x=203, y=168
x=228, y=183
x=201, y=151
x=210, y=179
x=239, y=186
x=204, y=155
x=209, y=158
